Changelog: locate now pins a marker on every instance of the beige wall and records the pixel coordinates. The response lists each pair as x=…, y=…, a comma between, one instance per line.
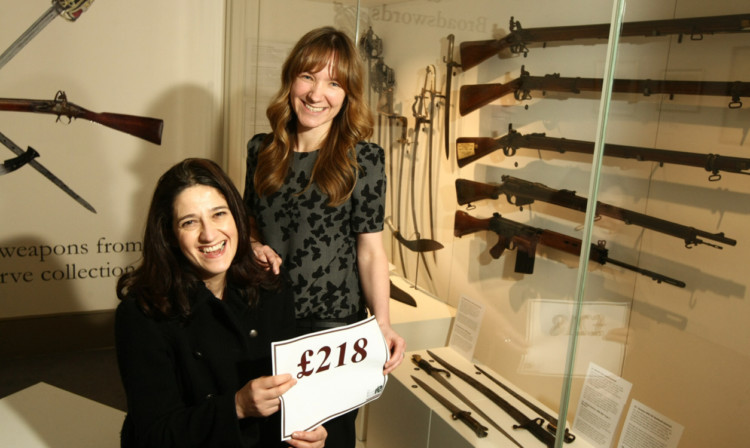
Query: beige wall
x=160, y=59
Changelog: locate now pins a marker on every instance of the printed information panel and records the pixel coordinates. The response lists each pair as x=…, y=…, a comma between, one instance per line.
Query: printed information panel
x=337, y=370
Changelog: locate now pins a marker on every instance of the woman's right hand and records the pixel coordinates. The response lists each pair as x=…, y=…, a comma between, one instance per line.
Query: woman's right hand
x=267, y=256
x=309, y=439
x=260, y=397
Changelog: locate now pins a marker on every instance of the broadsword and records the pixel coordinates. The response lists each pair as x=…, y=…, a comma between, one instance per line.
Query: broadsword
x=46, y=173
x=456, y=412
x=435, y=373
x=69, y=9
x=534, y=426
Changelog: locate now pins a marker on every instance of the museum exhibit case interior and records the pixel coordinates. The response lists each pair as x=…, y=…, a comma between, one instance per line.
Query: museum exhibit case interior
x=581, y=193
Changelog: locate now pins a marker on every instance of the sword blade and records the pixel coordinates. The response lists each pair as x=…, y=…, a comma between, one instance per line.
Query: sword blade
x=456, y=412
x=424, y=365
x=29, y=34
x=47, y=173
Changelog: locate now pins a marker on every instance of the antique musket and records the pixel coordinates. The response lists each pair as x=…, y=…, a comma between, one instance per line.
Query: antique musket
x=474, y=52
x=456, y=412
x=435, y=373
x=520, y=192
x=532, y=425
x=149, y=129
x=470, y=149
x=472, y=97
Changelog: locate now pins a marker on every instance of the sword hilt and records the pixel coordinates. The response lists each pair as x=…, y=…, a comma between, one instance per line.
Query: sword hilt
x=426, y=366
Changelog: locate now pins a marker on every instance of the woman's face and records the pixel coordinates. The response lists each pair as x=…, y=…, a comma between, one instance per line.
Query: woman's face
x=316, y=99
x=206, y=232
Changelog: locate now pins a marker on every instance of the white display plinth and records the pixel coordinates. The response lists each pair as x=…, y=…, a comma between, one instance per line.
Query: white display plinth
x=43, y=416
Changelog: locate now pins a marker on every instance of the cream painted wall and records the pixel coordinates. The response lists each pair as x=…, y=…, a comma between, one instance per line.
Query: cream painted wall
x=160, y=59
x=684, y=350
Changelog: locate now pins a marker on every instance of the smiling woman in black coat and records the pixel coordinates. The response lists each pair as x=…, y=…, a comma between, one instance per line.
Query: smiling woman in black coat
x=196, y=321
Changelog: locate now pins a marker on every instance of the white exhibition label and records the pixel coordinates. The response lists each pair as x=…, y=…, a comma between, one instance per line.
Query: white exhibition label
x=337, y=370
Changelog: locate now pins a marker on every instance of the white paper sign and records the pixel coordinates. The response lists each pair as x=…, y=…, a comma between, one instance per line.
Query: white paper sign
x=337, y=370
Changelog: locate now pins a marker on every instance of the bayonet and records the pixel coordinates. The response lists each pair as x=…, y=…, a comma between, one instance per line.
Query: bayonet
x=456, y=412
x=46, y=173
x=15, y=163
x=435, y=373
x=450, y=64
x=505, y=405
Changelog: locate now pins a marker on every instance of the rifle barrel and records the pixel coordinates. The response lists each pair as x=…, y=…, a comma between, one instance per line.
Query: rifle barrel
x=475, y=52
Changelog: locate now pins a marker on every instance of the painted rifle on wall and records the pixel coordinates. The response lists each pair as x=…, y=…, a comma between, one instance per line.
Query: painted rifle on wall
x=469, y=149
x=525, y=238
x=521, y=192
x=147, y=128
x=519, y=38
x=472, y=97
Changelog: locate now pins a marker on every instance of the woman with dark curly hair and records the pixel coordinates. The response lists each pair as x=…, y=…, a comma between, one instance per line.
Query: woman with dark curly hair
x=196, y=320
x=316, y=191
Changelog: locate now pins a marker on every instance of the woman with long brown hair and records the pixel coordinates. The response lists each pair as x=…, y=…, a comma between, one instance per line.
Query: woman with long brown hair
x=316, y=189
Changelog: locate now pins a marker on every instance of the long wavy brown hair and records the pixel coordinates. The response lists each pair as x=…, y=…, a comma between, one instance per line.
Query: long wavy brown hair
x=335, y=171
x=164, y=278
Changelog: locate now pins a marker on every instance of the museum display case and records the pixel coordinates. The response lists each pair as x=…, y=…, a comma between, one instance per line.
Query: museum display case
x=504, y=166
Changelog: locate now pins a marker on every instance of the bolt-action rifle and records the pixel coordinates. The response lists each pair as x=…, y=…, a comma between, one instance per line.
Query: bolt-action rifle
x=146, y=128
x=521, y=192
x=475, y=52
x=469, y=149
x=472, y=97
x=525, y=238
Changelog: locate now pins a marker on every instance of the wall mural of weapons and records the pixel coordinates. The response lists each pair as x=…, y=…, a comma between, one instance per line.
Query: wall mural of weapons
x=472, y=97
x=519, y=38
x=525, y=238
x=70, y=10
x=470, y=149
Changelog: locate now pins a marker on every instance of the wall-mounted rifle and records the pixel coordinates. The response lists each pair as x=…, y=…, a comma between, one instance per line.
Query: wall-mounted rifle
x=521, y=192
x=147, y=128
x=472, y=97
x=70, y=10
x=470, y=149
x=519, y=38
x=525, y=238
x=45, y=172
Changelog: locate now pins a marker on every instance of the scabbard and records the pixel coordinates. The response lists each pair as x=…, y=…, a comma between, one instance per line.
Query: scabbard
x=456, y=412
x=534, y=426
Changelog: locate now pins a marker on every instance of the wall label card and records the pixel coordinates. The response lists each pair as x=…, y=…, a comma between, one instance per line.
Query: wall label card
x=337, y=370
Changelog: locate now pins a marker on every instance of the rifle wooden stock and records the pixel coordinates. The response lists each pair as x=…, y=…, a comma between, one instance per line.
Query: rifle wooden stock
x=529, y=237
x=472, y=97
x=520, y=192
x=470, y=149
x=474, y=52
x=149, y=129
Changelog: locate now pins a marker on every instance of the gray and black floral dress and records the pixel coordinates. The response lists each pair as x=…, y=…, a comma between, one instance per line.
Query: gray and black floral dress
x=318, y=243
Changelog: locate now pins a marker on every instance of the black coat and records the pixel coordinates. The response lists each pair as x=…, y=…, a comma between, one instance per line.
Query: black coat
x=180, y=378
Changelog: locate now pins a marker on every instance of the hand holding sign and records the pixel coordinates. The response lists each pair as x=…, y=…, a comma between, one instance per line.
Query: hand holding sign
x=337, y=370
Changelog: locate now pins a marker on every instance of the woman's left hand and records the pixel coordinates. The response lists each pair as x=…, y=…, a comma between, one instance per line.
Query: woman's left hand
x=309, y=439
x=397, y=347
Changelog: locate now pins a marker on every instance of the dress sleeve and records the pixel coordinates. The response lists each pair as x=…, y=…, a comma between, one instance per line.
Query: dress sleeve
x=253, y=146
x=368, y=197
x=158, y=415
